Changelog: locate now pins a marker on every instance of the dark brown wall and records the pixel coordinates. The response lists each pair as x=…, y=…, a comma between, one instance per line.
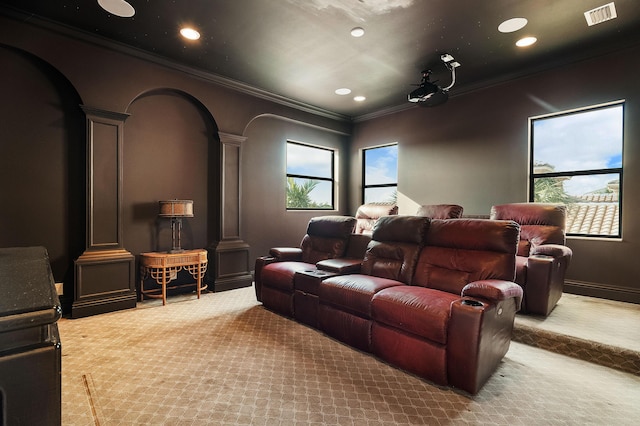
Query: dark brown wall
x=266, y=222
x=473, y=151
x=41, y=159
x=166, y=156
x=171, y=146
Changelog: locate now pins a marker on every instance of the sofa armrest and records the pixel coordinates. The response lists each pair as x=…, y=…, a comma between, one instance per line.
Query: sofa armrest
x=479, y=335
x=342, y=265
x=261, y=262
x=545, y=278
x=286, y=253
x=276, y=254
x=494, y=290
x=553, y=250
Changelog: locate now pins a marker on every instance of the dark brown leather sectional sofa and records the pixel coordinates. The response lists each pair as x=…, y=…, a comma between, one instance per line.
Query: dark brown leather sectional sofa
x=433, y=297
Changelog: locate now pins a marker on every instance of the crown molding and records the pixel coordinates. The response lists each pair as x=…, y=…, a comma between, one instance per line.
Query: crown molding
x=206, y=76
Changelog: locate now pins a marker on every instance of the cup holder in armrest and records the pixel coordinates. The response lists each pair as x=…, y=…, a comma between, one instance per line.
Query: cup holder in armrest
x=473, y=303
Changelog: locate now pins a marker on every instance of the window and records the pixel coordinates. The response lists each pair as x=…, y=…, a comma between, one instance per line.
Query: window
x=380, y=174
x=310, y=177
x=576, y=159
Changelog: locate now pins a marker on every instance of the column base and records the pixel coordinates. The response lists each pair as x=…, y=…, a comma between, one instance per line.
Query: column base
x=104, y=282
x=231, y=265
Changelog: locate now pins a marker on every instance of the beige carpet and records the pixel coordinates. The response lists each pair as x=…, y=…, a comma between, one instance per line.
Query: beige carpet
x=600, y=331
x=224, y=360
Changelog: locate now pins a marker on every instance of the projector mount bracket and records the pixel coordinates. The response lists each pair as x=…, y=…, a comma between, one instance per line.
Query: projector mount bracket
x=430, y=94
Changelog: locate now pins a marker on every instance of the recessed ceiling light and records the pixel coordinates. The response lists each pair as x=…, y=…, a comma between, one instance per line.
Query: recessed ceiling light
x=117, y=7
x=513, y=24
x=359, y=98
x=357, y=32
x=190, y=33
x=526, y=41
x=343, y=91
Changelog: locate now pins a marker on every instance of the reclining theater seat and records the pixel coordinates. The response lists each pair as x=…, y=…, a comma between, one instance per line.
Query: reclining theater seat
x=326, y=238
x=542, y=258
x=440, y=211
x=345, y=300
x=453, y=325
x=368, y=214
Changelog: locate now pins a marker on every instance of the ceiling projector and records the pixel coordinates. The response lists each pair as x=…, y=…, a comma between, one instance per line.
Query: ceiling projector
x=430, y=94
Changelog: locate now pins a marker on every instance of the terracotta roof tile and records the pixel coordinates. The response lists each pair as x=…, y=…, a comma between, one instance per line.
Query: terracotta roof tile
x=597, y=215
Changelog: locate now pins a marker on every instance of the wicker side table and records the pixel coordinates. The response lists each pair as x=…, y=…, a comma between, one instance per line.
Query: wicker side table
x=164, y=267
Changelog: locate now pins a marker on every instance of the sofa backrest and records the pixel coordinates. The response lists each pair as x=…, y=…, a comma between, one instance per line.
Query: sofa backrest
x=326, y=238
x=357, y=246
x=368, y=214
x=440, y=211
x=395, y=244
x=460, y=251
x=540, y=223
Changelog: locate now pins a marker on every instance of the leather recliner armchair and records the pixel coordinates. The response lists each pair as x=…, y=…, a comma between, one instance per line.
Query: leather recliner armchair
x=542, y=257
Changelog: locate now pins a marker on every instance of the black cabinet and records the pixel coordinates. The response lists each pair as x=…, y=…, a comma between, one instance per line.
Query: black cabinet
x=30, y=353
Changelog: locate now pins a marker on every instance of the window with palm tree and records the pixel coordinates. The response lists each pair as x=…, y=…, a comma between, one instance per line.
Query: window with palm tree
x=310, y=177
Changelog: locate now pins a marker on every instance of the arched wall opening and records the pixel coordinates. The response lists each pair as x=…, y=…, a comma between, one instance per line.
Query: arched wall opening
x=171, y=151
x=42, y=163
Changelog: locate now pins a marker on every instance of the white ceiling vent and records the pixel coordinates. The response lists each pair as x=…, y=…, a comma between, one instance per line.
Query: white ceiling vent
x=601, y=14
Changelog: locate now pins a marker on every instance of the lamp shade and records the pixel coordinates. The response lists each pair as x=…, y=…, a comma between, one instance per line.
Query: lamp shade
x=176, y=208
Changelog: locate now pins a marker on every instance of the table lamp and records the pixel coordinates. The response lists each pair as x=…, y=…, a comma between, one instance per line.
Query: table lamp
x=176, y=210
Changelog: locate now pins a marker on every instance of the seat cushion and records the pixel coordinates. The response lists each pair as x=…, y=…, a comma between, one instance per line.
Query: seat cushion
x=353, y=293
x=280, y=275
x=421, y=311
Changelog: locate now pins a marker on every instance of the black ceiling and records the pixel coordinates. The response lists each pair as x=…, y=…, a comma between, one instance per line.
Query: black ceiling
x=302, y=49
